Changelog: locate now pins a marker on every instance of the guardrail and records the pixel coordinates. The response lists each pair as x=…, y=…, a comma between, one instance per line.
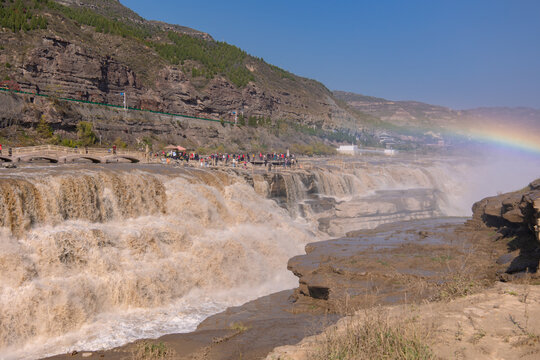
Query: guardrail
x=75, y=151
x=117, y=106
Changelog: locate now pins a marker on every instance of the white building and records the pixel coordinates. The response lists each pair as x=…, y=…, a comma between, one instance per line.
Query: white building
x=348, y=149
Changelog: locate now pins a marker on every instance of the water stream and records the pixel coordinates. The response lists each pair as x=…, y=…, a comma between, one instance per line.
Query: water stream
x=92, y=257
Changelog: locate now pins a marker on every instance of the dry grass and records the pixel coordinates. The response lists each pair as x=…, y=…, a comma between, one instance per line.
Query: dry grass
x=529, y=337
x=238, y=327
x=147, y=350
x=462, y=277
x=457, y=285
x=373, y=337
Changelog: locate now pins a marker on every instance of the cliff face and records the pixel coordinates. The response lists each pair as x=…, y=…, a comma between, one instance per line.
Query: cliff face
x=23, y=112
x=73, y=60
x=70, y=70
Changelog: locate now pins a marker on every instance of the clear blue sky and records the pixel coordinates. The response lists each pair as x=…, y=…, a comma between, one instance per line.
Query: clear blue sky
x=460, y=54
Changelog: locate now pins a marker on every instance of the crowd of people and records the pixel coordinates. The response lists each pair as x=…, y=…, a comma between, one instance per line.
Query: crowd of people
x=225, y=159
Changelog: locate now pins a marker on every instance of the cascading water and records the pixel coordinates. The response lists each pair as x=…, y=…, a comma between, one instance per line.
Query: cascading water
x=92, y=258
x=118, y=249
x=365, y=196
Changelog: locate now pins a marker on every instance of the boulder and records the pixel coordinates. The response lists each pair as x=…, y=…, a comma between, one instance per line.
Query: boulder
x=516, y=216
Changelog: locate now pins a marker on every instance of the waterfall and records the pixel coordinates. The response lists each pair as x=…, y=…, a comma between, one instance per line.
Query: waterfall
x=89, y=255
x=77, y=249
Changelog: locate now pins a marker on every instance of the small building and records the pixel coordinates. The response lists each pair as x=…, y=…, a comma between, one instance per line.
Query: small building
x=348, y=149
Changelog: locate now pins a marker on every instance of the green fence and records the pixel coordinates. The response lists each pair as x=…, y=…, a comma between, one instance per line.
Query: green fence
x=115, y=106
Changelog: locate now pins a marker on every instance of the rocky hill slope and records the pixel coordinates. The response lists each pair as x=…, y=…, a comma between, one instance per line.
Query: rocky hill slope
x=94, y=50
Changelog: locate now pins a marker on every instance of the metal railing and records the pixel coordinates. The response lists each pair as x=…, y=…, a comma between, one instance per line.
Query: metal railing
x=64, y=150
x=189, y=117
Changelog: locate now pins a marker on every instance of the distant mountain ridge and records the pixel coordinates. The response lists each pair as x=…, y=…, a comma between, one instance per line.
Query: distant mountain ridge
x=422, y=115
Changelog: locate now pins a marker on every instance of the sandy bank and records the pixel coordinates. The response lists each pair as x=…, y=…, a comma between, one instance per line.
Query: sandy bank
x=497, y=323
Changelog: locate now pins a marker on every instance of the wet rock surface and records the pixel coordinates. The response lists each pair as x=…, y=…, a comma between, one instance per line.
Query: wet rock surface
x=398, y=262
x=385, y=206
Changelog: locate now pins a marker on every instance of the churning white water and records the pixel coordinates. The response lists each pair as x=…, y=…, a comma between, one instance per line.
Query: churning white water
x=100, y=258
x=94, y=258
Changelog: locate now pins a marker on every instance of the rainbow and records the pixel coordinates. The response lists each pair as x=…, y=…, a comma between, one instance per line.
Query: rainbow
x=502, y=135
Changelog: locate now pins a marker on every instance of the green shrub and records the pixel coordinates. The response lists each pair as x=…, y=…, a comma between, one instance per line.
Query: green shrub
x=316, y=148
x=18, y=16
x=120, y=143
x=216, y=57
x=43, y=128
x=85, y=133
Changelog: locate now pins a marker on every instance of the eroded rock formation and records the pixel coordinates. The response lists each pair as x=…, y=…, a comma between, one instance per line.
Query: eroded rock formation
x=516, y=217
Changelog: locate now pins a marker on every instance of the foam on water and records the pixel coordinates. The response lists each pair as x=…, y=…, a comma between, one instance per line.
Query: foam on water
x=94, y=258
x=105, y=266
x=108, y=330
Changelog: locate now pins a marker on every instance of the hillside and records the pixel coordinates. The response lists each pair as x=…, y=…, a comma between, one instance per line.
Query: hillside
x=115, y=10
x=401, y=113
x=413, y=114
x=94, y=50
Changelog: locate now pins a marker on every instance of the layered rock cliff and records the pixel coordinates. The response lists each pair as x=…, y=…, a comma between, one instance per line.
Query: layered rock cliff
x=73, y=60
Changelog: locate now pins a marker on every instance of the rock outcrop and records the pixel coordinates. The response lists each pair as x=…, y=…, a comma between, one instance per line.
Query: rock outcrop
x=516, y=217
x=385, y=264
x=398, y=262
x=512, y=213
